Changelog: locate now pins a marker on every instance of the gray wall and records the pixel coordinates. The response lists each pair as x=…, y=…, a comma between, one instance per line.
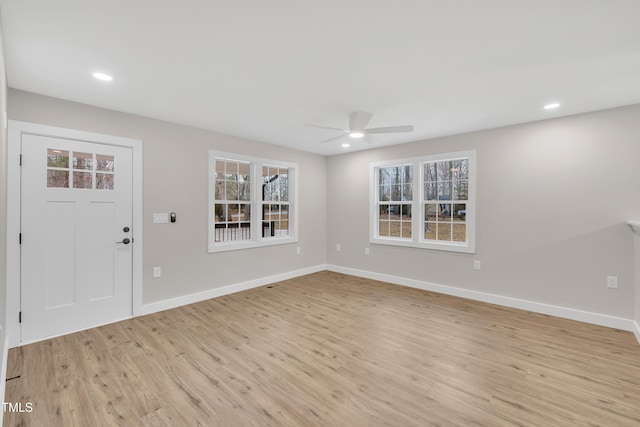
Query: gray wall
x=175, y=175
x=552, y=201
x=553, y=197
x=3, y=190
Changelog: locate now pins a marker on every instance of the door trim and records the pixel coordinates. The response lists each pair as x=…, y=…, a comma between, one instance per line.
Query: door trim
x=14, y=189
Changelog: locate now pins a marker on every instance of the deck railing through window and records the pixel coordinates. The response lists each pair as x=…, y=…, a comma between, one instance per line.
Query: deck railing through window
x=233, y=231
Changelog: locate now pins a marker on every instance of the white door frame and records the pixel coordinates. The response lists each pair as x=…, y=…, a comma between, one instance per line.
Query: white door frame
x=14, y=189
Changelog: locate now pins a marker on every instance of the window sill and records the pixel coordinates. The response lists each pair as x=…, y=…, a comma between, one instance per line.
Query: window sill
x=248, y=244
x=447, y=247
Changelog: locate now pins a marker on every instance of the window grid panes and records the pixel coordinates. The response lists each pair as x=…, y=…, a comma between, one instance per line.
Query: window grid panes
x=105, y=169
x=252, y=202
x=69, y=169
x=424, y=202
x=232, y=200
x=394, y=200
x=275, y=201
x=446, y=193
x=57, y=168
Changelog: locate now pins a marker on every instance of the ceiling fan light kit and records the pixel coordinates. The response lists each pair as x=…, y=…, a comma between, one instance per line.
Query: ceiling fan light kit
x=357, y=128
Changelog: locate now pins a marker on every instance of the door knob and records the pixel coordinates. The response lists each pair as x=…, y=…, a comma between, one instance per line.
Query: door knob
x=126, y=241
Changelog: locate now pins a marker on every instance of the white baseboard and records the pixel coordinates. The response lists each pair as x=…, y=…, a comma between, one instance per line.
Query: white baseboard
x=225, y=290
x=636, y=330
x=552, y=310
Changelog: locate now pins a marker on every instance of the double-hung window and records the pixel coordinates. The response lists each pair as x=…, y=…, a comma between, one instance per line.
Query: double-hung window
x=395, y=202
x=425, y=202
x=276, y=206
x=252, y=202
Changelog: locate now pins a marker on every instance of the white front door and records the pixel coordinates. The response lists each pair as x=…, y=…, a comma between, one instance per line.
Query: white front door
x=76, y=231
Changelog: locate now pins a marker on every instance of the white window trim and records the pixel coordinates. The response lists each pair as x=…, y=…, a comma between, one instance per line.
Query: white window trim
x=256, y=203
x=417, y=240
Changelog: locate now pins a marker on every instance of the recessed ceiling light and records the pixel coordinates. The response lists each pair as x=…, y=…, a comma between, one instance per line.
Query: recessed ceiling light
x=356, y=134
x=102, y=76
x=551, y=106
x=346, y=145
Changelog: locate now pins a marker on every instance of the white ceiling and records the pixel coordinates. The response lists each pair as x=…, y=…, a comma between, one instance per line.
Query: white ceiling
x=263, y=69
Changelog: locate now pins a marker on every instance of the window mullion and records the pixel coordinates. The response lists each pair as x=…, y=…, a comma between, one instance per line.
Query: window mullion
x=375, y=215
x=256, y=201
x=415, y=202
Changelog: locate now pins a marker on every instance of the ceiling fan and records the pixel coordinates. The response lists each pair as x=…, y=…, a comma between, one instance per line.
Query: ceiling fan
x=357, y=128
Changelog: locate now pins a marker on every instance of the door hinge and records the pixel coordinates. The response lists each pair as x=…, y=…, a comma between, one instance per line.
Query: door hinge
x=20, y=238
x=20, y=317
x=20, y=159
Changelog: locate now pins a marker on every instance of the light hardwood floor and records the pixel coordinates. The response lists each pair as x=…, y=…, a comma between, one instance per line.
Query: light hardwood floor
x=331, y=350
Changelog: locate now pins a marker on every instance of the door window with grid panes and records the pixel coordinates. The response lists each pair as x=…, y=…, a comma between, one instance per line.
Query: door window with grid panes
x=74, y=169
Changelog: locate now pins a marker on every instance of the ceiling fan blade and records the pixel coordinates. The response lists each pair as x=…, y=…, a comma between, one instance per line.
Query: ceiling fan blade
x=333, y=139
x=327, y=127
x=390, y=129
x=358, y=120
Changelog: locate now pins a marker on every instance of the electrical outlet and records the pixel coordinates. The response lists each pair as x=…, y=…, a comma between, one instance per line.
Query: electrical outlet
x=298, y=250
x=476, y=265
x=366, y=251
x=338, y=247
x=157, y=272
x=612, y=282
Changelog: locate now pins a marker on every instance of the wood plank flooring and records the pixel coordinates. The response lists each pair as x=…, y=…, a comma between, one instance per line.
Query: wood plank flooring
x=331, y=350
